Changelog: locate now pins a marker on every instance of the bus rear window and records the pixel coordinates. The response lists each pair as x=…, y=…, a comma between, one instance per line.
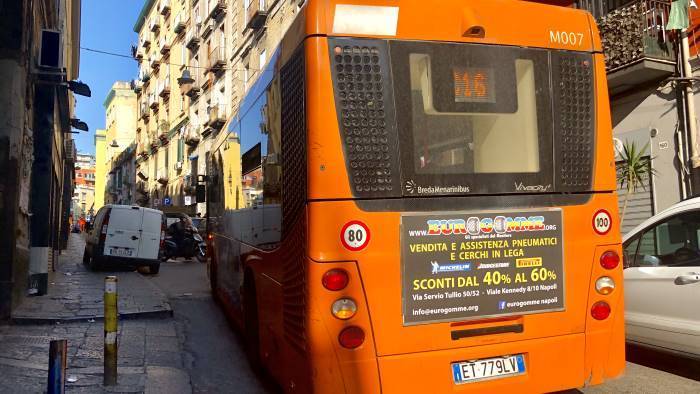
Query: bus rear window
x=474, y=141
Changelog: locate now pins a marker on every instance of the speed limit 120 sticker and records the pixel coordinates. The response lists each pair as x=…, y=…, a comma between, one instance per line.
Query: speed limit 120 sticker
x=355, y=235
x=602, y=222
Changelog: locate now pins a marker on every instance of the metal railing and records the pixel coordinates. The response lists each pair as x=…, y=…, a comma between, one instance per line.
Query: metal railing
x=636, y=31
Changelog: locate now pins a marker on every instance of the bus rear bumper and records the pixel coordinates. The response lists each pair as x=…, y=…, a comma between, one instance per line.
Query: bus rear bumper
x=552, y=364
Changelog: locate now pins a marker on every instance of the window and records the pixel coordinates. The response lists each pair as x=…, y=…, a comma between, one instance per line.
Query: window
x=263, y=59
x=180, y=149
x=674, y=242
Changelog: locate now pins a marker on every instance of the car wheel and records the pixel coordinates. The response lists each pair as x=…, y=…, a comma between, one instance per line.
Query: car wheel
x=154, y=269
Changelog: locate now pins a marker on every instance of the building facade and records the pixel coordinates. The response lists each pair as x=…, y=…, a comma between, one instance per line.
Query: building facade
x=84, y=192
x=221, y=45
x=39, y=53
x=101, y=169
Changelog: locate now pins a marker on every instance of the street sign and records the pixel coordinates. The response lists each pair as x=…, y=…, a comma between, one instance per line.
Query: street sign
x=188, y=200
x=167, y=201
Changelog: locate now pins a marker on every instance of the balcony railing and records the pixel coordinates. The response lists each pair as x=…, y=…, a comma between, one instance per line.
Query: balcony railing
x=145, y=40
x=153, y=101
x=257, y=14
x=154, y=24
x=206, y=28
x=163, y=45
x=217, y=8
x=192, y=135
x=164, y=87
x=192, y=37
x=143, y=110
x=636, y=31
x=154, y=62
x=217, y=58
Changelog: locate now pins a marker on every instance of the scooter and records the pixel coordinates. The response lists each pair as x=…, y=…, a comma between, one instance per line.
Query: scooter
x=192, y=246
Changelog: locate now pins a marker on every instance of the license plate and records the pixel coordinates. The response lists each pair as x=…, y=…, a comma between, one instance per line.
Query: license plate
x=120, y=252
x=488, y=368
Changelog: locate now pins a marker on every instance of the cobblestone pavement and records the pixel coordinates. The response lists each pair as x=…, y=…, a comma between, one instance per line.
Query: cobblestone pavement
x=149, y=348
x=75, y=294
x=149, y=360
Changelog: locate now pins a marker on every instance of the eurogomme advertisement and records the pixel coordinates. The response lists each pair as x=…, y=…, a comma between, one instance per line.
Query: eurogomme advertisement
x=461, y=266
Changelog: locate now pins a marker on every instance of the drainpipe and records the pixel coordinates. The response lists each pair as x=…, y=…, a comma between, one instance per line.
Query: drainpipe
x=689, y=101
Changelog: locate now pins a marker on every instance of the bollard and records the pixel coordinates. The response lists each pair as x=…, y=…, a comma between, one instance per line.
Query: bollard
x=111, y=315
x=58, y=351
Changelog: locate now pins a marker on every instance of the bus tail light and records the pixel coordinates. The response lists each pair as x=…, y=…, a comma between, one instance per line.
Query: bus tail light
x=344, y=308
x=335, y=279
x=610, y=259
x=600, y=310
x=605, y=285
x=351, y=337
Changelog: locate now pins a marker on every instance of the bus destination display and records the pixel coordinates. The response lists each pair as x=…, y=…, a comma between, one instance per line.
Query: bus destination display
x=471, y=265
x=474, y=85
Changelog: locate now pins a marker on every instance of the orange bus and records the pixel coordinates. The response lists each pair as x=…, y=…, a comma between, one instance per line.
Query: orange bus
x=420, y=197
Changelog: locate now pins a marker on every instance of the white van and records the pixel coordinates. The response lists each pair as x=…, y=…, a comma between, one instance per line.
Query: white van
x=125, y=236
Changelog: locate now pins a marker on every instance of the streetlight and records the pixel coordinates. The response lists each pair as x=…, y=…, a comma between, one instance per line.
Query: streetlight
x=185, y=81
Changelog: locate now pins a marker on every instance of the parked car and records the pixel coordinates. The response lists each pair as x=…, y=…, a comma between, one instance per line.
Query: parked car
x=662, y=280
x=125, y=236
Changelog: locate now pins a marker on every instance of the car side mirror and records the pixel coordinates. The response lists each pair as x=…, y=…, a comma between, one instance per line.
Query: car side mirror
x=201, y=192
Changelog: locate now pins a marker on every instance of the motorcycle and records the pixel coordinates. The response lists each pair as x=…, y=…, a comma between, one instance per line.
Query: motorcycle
x=193, y=245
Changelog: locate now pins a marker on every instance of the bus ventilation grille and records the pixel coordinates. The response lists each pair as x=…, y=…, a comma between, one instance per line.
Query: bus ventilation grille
x=361, y=86
x=294, y=199
x=576, y=139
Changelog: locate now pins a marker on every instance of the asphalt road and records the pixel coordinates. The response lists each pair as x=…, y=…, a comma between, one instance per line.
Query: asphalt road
x=217, y=362
x=214, y=354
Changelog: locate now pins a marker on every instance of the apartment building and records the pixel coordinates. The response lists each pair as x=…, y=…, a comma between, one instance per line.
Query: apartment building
x=84, y=192
x=39, y=53
x=101, y=169
x=197, y=58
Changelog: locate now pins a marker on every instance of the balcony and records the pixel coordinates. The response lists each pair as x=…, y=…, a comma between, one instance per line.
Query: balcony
x=137, y=52
x=257, y=14
x=163, y=129
x=143, y=111
x=153, y=101
x=144, y=76
x=162, y=176
x=163, y=46
x=192, y=135
x=195, y=88
x=136, y=85
x=637, y=46
x=153, y=61
x=164, y=7
x=207, y=27
x=179, y=24
x=217, y=116
x=192, y=39
x=164, y=87
x=154, y=24
x=145, y=40
x=217, y=8
x=217, y=59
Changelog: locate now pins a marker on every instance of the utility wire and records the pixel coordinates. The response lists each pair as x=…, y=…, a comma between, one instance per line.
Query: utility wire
x=103, y=52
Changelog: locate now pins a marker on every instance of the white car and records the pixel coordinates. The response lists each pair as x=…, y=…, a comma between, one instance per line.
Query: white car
x=125, y=236
x=662, y=280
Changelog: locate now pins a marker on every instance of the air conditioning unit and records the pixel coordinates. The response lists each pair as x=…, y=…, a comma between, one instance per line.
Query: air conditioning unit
x=178, y=166
x=50, y=49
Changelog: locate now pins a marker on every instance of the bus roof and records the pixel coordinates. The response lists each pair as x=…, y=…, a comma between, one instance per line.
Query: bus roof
x=502, y=22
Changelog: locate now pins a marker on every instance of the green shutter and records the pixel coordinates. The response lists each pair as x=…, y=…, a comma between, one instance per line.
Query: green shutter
x=180, y=149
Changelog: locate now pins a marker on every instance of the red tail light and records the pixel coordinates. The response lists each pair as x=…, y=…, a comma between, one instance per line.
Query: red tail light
x=600, y=310
x=610, y=259
x=335, y=279
x=351, y=337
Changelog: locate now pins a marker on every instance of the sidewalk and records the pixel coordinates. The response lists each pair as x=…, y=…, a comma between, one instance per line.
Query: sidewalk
x=75, y=294
x=149, y=349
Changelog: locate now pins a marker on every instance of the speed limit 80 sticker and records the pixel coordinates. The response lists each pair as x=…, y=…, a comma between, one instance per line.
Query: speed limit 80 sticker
x=355, y=235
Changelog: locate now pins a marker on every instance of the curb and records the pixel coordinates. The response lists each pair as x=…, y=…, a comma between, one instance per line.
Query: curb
x=162, y=314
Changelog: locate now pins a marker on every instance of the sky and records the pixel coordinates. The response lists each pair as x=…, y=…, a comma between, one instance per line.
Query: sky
x=106, y=25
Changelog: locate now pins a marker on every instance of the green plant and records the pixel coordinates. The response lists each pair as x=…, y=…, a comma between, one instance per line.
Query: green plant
x=632, y=170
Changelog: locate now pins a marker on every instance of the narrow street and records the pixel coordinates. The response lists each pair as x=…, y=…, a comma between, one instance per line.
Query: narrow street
x=212, y=351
